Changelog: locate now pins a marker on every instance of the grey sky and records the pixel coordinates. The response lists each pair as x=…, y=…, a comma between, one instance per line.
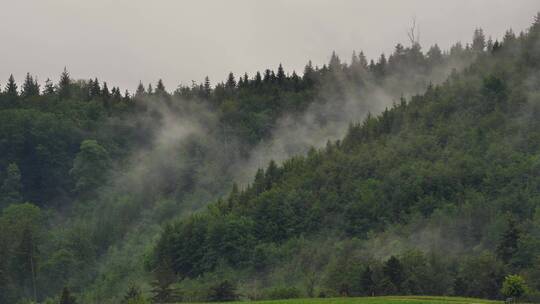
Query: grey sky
x=124, y=41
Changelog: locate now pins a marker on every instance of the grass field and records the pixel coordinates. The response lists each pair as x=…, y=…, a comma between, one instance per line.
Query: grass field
x=380, y=300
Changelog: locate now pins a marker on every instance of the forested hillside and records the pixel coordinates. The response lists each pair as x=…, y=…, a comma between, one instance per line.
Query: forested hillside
x=439, y=194
x=109, y=195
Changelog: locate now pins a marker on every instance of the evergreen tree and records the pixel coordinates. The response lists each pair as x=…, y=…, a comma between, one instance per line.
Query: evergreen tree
x=140, y=90
x=25, y=259
x=366, y=281
x=11, y=87
x=354, y=60
x=309, y=74
x=67, y=298
x=231, y=82
x=127, y=96
x=160, y=89
x=258, y=79
x=393, y=271
x=335, y=62
x=280, y=74
x=362, y=60
x=223, y=292
x=89, y=165
x=30, y=86
x=49, y=87
x=267, y=76
x=10, y=192
x=479, y=40
x=105, y=95
x=64, y=85
x=207, y=87
x=133, y=296
x=95, y=89
x=434, y=55
x=150, y=90
x=271, y=174
x=161, y=286
x=508, y=244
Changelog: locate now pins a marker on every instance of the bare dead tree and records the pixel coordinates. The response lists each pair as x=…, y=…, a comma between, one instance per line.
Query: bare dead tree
x=413, y=32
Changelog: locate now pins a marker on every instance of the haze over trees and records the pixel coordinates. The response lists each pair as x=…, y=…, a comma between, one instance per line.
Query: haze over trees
x=110, y=197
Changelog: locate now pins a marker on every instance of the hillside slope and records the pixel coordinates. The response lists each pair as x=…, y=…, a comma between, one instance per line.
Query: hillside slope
x=438, y=195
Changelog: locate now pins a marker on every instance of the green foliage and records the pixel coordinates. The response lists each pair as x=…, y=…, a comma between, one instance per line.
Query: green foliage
x=514, y=287
x=454, y=163
x=222, y=292
x=370, y=214
x=133, y=296
x=67, y=297
x=89, y=166
x=10, y=191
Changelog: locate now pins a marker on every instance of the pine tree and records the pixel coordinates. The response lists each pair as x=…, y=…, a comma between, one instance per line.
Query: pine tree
x=393, y=270
x=25, y=257
x=30, y=87
x=258, y=79
x=231, y=82
x=479, y=40
x=49, y=87
x=10, y=192
x=271, y=175
x=95, y=89
x=140, y=90
x=64, y=85
x=207, y=87
x=508, y=244
x=335, y=62
x=366, y=280
x=362, y=60
x=280, y=74
x=150, y=90
x=67, y=298
x=160, y=89
x=161, y=286
x=309, y=74
x=133, y=295
x=127, y=96
x=354, y=60
x=11, y=87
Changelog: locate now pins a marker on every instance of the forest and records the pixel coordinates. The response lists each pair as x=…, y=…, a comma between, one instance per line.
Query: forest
x=415, y=173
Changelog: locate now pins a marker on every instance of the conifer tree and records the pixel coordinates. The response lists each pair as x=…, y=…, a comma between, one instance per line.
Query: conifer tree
x=140, y=92
x=160, y=89
x=335, y=62
x=362, y=60
x=509, y=241
x=258, y=79
x=366, y=280
x=67, y=298
x=207, y=87
x=393, y=270
x=95, y=89
x=30, y=86
x=11, y=87
x=479, y=40
x=231, y=82
x=280, y=74
x=49, y=87
x=64, y=85
x=10, y=191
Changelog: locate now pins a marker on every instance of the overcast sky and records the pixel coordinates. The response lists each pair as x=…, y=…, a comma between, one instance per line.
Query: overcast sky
x=124, y=41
